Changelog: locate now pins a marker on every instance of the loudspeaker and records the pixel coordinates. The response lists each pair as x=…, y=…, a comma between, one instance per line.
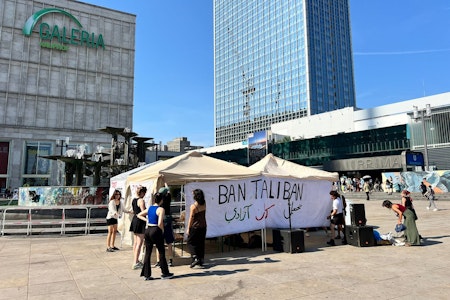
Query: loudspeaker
x=357, y=215
x=290, y=241
x=360, y=236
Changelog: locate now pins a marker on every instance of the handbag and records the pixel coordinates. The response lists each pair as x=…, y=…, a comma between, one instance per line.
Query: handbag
x=400, y=227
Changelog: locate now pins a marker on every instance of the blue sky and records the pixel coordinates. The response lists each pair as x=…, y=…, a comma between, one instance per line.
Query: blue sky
x=401, y=51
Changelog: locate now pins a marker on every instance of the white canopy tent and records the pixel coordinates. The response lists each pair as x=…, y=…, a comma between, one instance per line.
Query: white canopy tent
x=286, y=195
x=189, y=167
x=119, y=181
x=274, y=166
x=315, y=204
x=192, y=166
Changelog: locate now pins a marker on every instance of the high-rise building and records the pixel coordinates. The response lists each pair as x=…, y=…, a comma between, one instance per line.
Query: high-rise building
x=278, y=60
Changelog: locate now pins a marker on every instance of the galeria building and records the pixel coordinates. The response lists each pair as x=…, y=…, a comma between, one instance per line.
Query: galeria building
x=66, y=70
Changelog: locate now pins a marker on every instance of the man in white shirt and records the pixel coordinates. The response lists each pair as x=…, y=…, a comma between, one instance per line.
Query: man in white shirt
x=336, y=217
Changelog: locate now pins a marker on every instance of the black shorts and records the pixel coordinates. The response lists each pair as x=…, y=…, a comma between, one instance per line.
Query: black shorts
x=111, y=221
x=338, y=219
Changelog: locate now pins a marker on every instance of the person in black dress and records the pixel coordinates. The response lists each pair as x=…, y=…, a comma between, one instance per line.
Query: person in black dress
x=196, y=229
x=138, y=226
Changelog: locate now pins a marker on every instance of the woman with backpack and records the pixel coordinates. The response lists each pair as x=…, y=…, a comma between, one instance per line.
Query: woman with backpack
x=430, y=196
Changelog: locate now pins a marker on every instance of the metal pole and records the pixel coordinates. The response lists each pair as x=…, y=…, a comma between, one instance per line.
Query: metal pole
x=425, y=142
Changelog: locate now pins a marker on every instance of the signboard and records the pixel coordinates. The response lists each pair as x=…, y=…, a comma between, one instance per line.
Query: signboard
x=257, y=147
x=59, y=37
x=237, y=206
x=414, y=158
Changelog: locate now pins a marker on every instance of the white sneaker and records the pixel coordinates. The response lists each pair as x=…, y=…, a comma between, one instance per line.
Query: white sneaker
x=435, y=209
x=428, y=207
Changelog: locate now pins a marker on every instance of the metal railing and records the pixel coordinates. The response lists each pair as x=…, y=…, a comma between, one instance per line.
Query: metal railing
x=57, y=219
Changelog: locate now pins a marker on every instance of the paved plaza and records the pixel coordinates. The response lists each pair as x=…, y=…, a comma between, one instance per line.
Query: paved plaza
x=77, y=267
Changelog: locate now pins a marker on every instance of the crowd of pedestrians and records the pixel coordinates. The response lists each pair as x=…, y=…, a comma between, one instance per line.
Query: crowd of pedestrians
x=363, y=184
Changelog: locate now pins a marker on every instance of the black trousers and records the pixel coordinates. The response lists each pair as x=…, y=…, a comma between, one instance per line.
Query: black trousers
x=154, y=236
x=196, y=242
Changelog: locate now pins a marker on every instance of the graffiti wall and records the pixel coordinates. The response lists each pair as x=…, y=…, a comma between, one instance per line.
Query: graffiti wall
x=439, y=180
x=57, y=195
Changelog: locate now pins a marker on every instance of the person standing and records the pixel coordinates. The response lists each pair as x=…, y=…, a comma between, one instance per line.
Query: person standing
x=137, y=226
x=336, y=217
x=430, y=196
x=169, y=237
x=389, y=186
x=196, y=229
x=115, y=211
x=423, y=187
x=366, y=189
x=408, y=202
x=411, y=233
x=154, y=235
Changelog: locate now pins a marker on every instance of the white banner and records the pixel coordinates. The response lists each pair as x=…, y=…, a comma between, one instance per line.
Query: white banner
x=252, y=204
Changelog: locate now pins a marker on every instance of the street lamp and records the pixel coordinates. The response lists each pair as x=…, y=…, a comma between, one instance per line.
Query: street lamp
x=422, y=115
x=63, y=144
x=60, y=164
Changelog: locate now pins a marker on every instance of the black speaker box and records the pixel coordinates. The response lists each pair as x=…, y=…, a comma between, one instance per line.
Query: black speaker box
x=290, y=241
x=357, y=215
x=360, y=236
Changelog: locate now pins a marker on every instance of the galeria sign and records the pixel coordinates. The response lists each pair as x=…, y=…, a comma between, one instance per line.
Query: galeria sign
x=50, y=34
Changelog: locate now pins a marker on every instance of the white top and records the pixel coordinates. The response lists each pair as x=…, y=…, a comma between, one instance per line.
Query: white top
x=337, y=205
x=112, y=210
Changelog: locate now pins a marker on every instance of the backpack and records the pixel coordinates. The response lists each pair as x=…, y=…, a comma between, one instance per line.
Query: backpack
x=423, y=187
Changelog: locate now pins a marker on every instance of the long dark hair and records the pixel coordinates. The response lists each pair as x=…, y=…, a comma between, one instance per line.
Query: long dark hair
x=199, y=196
x=387, y=203
x=113, y=194
x=141, y=189
x=158, y=198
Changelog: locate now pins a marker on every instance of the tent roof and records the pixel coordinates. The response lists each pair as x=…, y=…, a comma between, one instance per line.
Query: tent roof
x=124, y=175
x=274, y=166
x=193, y=166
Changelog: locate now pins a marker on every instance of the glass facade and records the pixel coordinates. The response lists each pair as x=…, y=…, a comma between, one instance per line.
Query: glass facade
x=367, y=143
x=279, y=60
x=314, y=152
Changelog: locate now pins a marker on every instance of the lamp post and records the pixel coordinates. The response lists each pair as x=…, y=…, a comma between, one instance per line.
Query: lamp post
x=422, y=115
x=63, y=144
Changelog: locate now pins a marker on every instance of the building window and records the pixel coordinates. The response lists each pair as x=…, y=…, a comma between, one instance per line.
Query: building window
x=34, y=162
x=4, y=153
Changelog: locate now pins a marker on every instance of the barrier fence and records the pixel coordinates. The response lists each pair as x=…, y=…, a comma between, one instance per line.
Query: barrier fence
x=53, y=219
